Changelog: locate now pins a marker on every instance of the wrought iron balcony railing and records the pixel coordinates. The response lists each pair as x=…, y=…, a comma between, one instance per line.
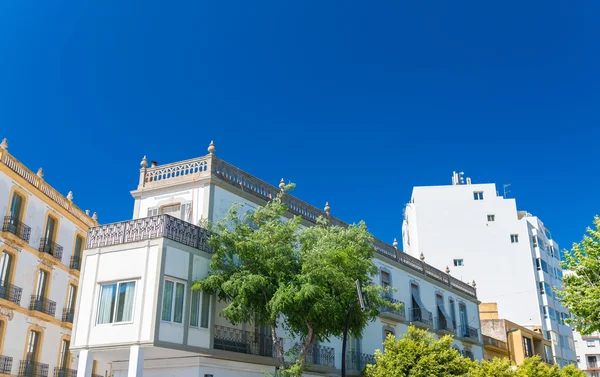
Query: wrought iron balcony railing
x=48, y=246
x=10, y=292
x=64, y=372
x=68, y=315
x=75, y=262
x=42, y=304
x=421, y=315
x=489, y=341
x=5, y=364
x=385, y=309
x=321, y=355
x=236, y=340
x=29, y=368
x=468, y=332
x=442, y=324
x=358, y=361
x=13, y=225
x=149, y=228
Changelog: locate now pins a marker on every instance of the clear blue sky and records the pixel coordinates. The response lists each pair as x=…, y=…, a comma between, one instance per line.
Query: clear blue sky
x=355, y=101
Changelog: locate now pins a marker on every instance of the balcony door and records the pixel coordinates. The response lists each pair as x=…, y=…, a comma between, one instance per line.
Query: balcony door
x=32, y=353
x=42, y=282
x=5, y=270
x=65, y=355
x=16, y=207
x=462, y=312
x=49, y=235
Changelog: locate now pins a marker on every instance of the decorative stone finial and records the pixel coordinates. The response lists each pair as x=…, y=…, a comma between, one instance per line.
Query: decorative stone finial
x=474, y=284
x=395, y=244
x=95, y=216
x=327, y=208
x=447, y=269
x=40, y=173
x=70, y=196
x=154, y=164
x=144, y=162
x=4, y=144
x=282, y=184
x=211, y=148
x=422, y=257
x=87, y=212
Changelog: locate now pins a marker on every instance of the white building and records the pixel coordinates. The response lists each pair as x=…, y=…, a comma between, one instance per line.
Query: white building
x=511, y=254
x=42, y=237
x=588, y=353
x=136, y=310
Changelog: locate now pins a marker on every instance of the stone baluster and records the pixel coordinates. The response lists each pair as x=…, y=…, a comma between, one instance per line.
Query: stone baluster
x=144, y=165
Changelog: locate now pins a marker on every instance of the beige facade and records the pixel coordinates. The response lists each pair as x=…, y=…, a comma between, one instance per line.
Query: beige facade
x=503, y=338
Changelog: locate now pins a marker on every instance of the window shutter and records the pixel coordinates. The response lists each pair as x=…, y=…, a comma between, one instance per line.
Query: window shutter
x=152, y=211
x=186, y=212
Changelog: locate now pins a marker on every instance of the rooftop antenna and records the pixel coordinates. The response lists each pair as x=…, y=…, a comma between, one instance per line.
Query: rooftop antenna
x=506, y=191
x=461, y=177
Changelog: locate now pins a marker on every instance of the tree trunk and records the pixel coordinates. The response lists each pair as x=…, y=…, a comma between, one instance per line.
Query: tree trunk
x=278, y=347
x=308, y=343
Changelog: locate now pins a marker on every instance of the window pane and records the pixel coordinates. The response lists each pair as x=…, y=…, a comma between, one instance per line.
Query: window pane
x=179, y=295
x=167, y=306
x=50, y=223
x=78, y=246
x=195, y=309
x=16, y=207
x=125, y=302
x=205, y=310
x=106, y=306
x=5, y=267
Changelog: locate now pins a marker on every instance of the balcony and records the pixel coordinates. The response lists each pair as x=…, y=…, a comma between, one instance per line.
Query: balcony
x=64, y=372
x=488, y=341
x=75, y=263
x=50, y=247
x=13, y=225
x=358, y=361
x=390, y=313
x=321, y=355
x=10, y=292
x=42, y=304
x=5, y=364
x=248, y=342
x=421, y=317
x=147, y=228
x=32, y=369
x=443, y=325
x=468, y=333
x=68, y=315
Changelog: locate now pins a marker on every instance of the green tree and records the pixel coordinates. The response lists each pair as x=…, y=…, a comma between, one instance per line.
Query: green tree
x=495, y=368
x=419, y=354
x=571, y=371
x=534, y=367
x=581, y=291
x=271, y=272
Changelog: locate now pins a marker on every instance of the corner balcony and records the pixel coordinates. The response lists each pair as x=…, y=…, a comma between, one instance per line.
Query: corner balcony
x=241, y=341
x=444, y=326
x=43, y=305
x=147, y=228
x=468, y=334
x=48, y=246
x=498, y=344
x=421, y=317
x=358, y=361
x=393, y=314
x=10, y=292
x=13, y=225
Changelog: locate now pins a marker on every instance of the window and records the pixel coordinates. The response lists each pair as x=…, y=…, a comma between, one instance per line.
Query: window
x=77, y=251
x=541, y=285
x=71, y=297
x=42, y=282
x=16, y=207
x=50, y=229
x=527, y=348
x=444, y=321
x=538, y=264
x=590, y=343
x=386, y=280
x=462, y=312
x=458, y=262
x=514, y=238
x=116, y=303
x=5, y=270
x=552, y=314
x=478, y=195
x=387, y=332
x=199, y=313
x=452, y=312
x=544, y=266
x=32, y=347
x=491, y=217
x=65, y=355
x=180, y=211
x=173, y=298
x=548, y=353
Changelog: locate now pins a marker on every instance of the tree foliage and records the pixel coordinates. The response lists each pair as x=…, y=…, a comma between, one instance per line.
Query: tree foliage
x=581, y=291
x=270, y=271
x=419, y=354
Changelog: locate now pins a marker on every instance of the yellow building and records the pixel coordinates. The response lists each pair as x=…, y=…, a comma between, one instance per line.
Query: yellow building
x=505, y=339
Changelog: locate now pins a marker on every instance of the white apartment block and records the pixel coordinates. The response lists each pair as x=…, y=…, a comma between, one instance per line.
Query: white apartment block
x=42, y=237
x=588, y=353
x=481, y=236
x=137, y=312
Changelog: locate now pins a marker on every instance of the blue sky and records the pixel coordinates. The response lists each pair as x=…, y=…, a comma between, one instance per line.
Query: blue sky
x=355, y=101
